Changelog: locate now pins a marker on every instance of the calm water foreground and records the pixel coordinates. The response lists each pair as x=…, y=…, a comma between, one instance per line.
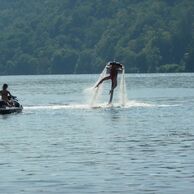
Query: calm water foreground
x=60, y=145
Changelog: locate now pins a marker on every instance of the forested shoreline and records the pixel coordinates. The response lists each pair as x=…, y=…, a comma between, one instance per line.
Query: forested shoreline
x=80, y=36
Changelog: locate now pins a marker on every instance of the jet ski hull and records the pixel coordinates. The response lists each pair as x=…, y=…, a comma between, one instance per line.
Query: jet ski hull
x=9, y=110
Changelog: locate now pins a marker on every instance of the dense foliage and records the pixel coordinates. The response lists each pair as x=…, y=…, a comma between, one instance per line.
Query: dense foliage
x=80, y=36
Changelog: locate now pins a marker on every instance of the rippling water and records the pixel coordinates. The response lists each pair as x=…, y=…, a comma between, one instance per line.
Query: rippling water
x=60, y=145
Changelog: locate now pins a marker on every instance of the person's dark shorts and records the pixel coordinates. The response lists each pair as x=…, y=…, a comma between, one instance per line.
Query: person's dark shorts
x=2, y=103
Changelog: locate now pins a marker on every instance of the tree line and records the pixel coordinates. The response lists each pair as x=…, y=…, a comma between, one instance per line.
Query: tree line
x=80, y=36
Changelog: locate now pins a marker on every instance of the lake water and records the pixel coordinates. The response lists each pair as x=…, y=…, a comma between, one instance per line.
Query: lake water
x=59, y=144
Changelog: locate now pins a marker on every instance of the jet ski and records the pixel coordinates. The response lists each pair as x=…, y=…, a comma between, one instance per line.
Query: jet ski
x=16, y=108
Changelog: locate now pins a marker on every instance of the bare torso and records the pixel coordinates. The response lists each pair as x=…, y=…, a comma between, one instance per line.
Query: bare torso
x=4, y=95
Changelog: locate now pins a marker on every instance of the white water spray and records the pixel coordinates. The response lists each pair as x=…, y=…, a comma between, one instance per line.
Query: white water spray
x=122, y=90
x=95, y=92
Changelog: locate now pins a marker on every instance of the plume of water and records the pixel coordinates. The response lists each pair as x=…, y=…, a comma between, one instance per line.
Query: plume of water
x=122, y=90
x=94, y=92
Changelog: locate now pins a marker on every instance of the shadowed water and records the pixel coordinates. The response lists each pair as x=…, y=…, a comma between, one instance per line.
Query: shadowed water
x=59, y=144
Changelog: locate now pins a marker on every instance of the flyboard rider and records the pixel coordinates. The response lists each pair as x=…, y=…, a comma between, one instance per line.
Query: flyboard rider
x=113, y=68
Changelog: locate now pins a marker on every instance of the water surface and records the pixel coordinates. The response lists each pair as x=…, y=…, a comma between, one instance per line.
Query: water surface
x=61, y=145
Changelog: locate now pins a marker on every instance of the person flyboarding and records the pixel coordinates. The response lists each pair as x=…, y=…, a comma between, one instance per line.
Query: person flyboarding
x=113, y=68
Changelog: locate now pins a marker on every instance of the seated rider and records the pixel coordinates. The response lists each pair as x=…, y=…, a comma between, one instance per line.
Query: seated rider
x=6, y=95
x=113, y=68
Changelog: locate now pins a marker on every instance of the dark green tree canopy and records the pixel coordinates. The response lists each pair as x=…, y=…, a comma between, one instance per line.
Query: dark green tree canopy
x=80, y=36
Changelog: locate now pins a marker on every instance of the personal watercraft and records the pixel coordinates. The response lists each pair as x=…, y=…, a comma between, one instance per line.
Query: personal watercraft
x=15, y=107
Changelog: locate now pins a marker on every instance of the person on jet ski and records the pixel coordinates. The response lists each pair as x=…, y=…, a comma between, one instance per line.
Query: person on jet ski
x=6, y=95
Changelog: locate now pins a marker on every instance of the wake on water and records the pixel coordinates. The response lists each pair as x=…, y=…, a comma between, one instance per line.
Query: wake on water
x=93, y=98
x=94, y=94
x=87, y=106
x=128, y=105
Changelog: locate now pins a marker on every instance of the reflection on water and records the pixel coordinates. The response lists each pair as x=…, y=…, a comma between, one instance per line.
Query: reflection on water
x=60, y=144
